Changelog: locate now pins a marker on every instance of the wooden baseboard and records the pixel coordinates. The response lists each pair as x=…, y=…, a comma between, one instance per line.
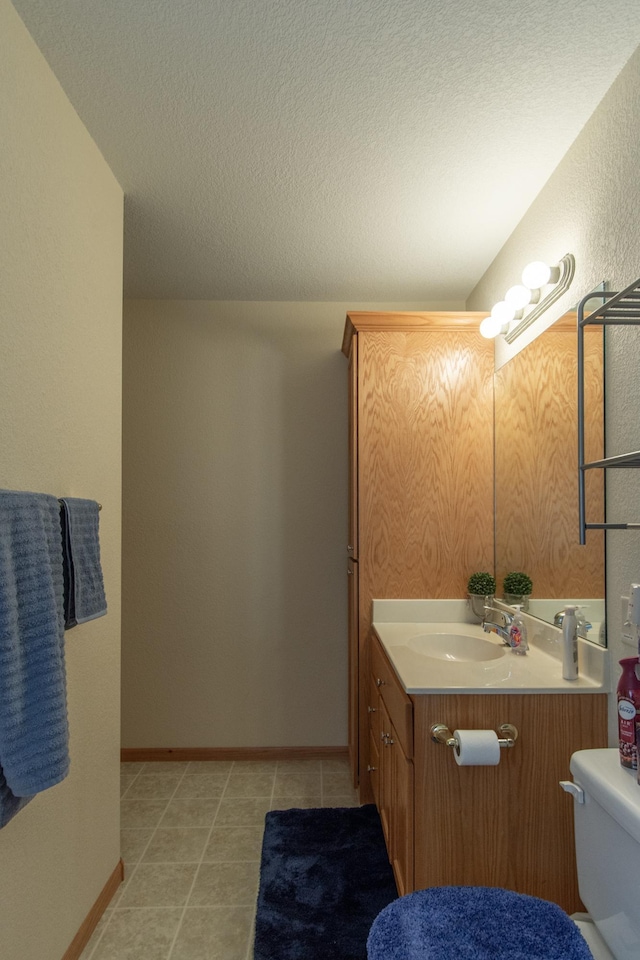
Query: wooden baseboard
x=82, y=937
x=149, y=754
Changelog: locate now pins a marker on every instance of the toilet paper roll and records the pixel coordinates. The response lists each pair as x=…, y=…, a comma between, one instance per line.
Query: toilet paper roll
x=476, y=748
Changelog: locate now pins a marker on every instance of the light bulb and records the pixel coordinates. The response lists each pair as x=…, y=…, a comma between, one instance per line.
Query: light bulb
x=539, y=274
x=519, y=297
x=491, y=327
x=503, y=311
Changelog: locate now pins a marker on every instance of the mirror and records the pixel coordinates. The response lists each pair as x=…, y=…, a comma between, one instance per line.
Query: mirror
x=536, y=486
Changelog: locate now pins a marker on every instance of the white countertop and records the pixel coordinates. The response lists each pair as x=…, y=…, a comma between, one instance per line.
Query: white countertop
x=539, y=671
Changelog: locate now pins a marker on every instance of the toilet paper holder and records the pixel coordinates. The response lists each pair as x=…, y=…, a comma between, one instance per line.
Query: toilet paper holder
x=440, y=733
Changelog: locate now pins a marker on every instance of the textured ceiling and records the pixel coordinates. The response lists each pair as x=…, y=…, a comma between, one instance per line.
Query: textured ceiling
x=328, y=149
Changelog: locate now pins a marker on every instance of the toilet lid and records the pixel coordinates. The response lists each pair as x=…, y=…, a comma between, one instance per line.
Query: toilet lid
x=483, y=923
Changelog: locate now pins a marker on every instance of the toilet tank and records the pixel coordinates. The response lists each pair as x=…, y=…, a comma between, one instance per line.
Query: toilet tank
x=607, y=829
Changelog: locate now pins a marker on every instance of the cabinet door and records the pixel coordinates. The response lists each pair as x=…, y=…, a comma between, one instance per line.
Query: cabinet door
x=400, y=786
x=395, y=804
x=375, y=744
x=354, y=669
x=425, y=462
x=385, y=776
x=352, y=545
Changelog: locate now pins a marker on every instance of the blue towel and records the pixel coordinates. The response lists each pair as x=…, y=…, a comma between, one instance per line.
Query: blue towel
x=34, y=752
x=474, y=923
x=84, y=597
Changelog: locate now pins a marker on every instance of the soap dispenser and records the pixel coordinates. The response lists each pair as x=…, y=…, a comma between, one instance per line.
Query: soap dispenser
x=518, y=632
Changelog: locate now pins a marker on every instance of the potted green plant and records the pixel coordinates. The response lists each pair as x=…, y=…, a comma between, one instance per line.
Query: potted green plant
x=517, y=588
x=481, y=588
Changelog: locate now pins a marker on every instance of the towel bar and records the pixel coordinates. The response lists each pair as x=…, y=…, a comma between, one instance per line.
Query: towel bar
x=99, y=505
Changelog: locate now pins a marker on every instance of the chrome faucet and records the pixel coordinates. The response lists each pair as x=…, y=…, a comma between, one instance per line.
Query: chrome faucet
x=501, y=629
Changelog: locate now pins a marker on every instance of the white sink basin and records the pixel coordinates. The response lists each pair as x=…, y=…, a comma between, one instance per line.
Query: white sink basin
x=456, y=647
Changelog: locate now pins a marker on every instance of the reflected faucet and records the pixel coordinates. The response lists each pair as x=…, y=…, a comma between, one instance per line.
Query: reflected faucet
x=501, y=629
x=583, y=624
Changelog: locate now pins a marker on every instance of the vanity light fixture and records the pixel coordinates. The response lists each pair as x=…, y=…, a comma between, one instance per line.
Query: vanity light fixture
x=518, y=299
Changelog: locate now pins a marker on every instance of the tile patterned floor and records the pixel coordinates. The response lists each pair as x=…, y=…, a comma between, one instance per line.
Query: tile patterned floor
x=191, y=842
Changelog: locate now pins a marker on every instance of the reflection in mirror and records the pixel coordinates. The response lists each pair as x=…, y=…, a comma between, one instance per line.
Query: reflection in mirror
x=536, y=488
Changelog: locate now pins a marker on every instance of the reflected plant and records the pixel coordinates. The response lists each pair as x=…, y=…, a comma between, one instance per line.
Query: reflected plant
x=517, y=584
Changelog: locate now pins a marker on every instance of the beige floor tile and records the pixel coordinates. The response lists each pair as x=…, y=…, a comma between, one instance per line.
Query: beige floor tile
x=242, y=812
x=296, y=803
x=348, y=801
x=141, y=813
x=173, y=767
x=125, y=782
x=95, y=936
x=234, y=843
x=138, y=935
x=176, y=845
x=249, y=785
x=297, y=784
x=225, y=885
x=158, y=885
x=299, y=766
x=129, y=870
x=336, y=784
x=160, y=786
x=130, y=767
x=254, y=766
x=217, y=767
x=133, y=842
x=214, y=933
x=190, y=813
x=202, y=785
x=335, y=765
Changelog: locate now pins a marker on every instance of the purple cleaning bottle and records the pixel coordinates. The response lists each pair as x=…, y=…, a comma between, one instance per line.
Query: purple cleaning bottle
x=628, y=707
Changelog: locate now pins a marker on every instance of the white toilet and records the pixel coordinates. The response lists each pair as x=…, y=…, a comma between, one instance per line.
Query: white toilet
x=607, y=828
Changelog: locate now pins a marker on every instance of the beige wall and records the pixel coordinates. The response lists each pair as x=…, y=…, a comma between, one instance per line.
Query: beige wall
x=234, y=524
x=591, y=208
x=60, y=329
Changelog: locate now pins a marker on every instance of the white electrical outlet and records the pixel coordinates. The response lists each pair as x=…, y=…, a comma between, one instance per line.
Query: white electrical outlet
x=628, y=635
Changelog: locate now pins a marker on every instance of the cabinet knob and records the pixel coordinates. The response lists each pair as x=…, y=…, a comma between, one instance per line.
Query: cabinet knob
x=371, y=710
x=379, y=682
x=370, y=769
x=349, y=572
x=349, y=548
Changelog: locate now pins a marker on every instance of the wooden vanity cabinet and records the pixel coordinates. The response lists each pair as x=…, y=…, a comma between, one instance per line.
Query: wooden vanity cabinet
x=420, y=476
x=508, y=826
x=391, y=752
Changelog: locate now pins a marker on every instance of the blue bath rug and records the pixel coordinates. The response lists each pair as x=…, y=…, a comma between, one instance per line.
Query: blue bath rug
x=324, y=877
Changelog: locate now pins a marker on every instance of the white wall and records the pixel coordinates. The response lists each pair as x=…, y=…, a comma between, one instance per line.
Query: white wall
x=60, y=386
x=235, y=523
x=591, y=208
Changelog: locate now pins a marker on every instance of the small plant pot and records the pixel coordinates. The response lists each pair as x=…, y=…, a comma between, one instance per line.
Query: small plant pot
x=478, y=602
x=514, y=598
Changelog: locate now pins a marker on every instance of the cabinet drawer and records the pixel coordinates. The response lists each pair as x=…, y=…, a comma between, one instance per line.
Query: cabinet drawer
x=396, y=701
